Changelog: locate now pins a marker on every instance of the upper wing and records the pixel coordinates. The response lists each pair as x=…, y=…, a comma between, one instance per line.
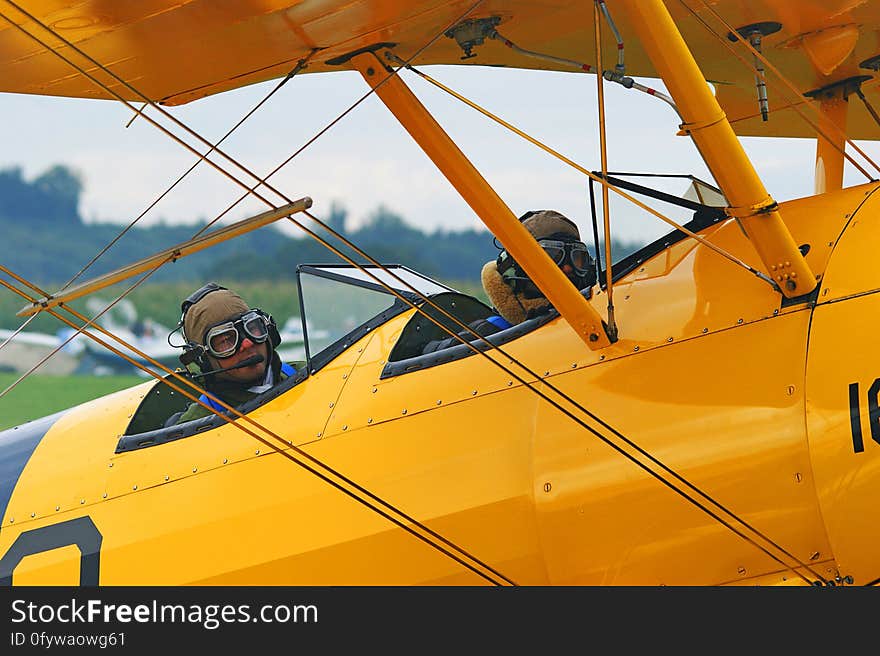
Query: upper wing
x=174, y=51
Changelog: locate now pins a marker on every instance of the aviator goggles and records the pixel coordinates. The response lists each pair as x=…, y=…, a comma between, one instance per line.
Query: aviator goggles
x=576, y=252
x=223, y=341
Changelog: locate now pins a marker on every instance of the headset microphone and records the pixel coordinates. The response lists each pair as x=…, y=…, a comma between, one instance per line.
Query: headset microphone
x=247, y=362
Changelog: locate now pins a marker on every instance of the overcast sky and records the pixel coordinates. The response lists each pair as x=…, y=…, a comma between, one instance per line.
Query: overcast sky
x=367, y=160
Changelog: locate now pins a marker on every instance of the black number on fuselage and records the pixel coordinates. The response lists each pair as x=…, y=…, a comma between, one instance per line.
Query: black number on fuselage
x=855, y=414
x=855, y=418
x=80, y=532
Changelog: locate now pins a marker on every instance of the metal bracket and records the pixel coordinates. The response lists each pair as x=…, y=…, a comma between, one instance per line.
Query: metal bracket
x=472, y=32
x=763, y=29
x=843, y=87
x=342, y=59
x=871, y=63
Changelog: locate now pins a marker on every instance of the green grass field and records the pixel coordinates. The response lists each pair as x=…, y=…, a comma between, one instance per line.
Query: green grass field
x=37, y=396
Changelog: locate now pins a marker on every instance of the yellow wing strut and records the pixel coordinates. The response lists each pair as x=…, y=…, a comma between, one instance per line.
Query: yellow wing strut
x=173, y=253
x=724, y=155
x=485, y=202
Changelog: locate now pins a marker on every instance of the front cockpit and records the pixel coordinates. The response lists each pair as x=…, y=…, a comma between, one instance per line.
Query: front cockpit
x=339, y=306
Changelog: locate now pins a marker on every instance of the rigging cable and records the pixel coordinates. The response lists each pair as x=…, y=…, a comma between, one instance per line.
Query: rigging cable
x=301, y=64
x=868, y=105
x=603, y=153
x=299, y=67
x=318, y=468
x=708, y=244
x=791, y=87
x=592, y=416
x=583, y=409
x=640, y=464
x=70, y=337
x=16, y=332
x=579, y=421
x=409, y=529
x=596, y=234
x=136, y=114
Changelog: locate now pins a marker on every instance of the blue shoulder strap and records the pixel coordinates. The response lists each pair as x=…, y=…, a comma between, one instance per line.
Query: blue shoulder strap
x=500, y=322
x=288, y=369
x=204, y=398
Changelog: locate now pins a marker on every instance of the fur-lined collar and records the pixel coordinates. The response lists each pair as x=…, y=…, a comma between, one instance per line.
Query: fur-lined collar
x=512, y=307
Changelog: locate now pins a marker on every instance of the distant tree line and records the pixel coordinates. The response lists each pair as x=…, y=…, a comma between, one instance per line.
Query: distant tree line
x=46, y=240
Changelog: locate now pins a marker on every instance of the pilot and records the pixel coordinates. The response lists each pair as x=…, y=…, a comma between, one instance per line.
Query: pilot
x=514, y=296
x=231, y=347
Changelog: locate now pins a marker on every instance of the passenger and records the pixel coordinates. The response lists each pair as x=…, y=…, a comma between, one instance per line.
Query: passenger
x=233, y=347
x=514, y=296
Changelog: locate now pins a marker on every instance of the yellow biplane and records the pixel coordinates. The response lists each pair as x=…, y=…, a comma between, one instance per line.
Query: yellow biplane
x=696, y=418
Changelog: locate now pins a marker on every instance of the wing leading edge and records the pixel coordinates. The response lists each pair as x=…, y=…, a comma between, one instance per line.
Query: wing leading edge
x=175, y=52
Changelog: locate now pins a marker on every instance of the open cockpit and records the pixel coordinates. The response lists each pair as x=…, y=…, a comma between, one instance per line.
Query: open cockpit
x=339, y=304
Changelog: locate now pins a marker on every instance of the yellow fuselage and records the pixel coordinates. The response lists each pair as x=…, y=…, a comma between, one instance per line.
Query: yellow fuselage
x=744, y=396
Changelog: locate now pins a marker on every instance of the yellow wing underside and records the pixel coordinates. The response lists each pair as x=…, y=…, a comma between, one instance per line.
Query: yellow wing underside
x=175, y=51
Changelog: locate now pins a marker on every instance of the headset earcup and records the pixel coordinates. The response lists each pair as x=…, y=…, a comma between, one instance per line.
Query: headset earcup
x=272, y=327
x=274, y=335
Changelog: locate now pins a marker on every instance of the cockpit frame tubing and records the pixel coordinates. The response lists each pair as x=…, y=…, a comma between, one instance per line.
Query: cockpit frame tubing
x=482, y=198
x=716, y=141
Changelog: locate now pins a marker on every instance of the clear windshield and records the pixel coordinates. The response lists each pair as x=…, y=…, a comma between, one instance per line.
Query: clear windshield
x=338, y=302
x=388, y=275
